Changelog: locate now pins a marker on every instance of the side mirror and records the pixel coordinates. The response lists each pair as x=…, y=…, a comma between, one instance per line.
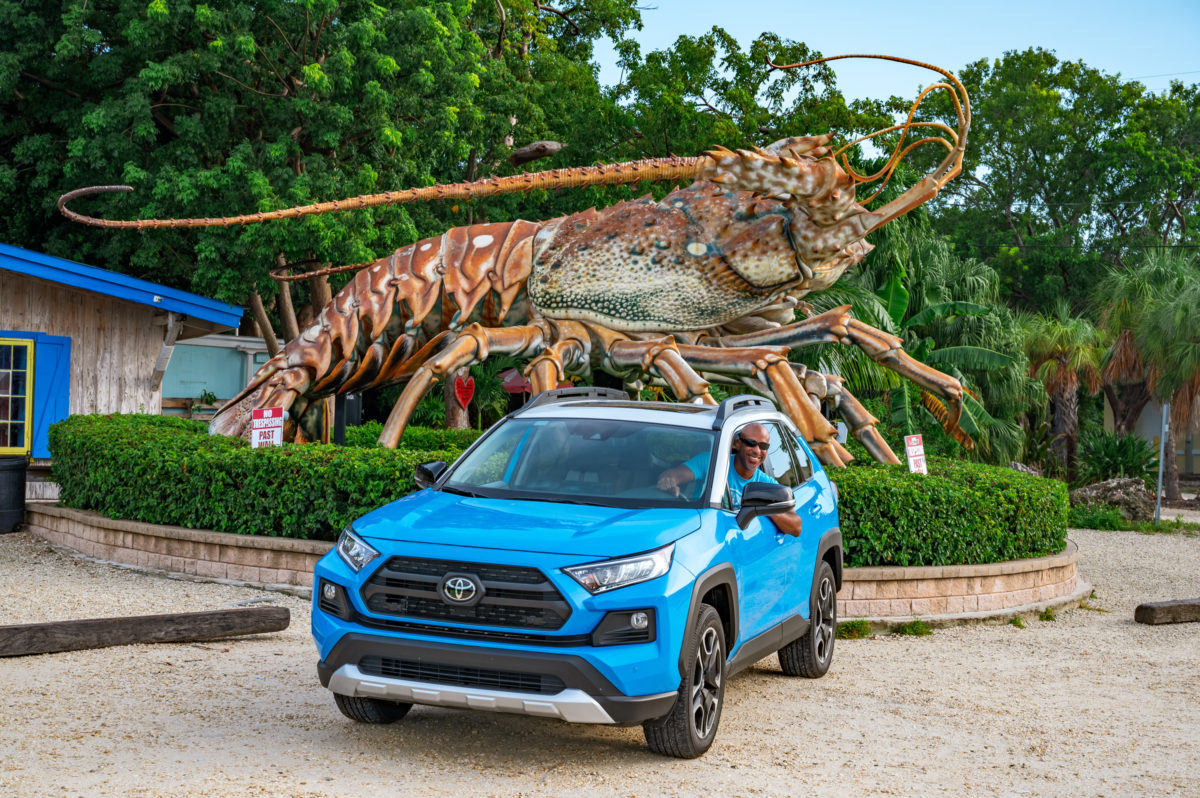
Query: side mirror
x=427, y=473
x=764, y=498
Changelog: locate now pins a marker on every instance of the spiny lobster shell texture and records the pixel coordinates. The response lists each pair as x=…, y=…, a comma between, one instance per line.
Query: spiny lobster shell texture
x=697, y=260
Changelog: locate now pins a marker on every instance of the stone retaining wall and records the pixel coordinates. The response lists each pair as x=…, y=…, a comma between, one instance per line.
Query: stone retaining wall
x=266, y=561
x=877, y=594
x=958, y=590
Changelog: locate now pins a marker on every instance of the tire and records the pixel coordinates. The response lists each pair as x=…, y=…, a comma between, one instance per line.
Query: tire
x=690, y=727
x=371, y=710
x=811, y=655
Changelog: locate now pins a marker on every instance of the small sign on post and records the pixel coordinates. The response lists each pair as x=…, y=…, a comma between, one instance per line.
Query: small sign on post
x=266, y=426
x=915, y=450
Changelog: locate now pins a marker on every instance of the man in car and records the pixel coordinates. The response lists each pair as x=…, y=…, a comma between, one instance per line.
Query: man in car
x=750, y=446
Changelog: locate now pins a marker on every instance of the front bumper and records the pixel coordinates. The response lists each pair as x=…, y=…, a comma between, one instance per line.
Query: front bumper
x=468, y=678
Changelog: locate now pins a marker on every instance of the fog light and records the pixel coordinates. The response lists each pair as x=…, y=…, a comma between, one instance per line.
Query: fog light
x=329, y=591
x=639, y=620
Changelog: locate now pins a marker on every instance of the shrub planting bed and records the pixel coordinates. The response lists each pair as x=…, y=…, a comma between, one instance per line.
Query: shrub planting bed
x=162, y=470
x=958, y=514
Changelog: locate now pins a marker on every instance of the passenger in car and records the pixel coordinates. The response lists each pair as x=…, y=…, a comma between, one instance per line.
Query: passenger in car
x=750, y=446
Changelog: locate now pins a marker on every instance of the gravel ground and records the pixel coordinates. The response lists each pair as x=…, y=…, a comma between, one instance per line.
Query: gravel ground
x=1090, y=704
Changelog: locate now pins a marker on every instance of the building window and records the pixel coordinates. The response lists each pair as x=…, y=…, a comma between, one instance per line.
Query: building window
x=16, y=395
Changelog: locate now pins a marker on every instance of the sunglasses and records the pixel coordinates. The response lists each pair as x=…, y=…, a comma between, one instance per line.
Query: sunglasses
x=764, y=445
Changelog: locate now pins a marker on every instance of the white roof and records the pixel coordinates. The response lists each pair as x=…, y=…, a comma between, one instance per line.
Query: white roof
x=669, y=413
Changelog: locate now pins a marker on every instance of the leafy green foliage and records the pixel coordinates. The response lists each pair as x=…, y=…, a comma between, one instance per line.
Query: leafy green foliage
x=1104, y=455
x=1016, y=621
x=914, y=628
x=1069, y=170
x=1096, y=516
x=234, y=107
x=853, y=630
x=165, y=470
x=960, y=513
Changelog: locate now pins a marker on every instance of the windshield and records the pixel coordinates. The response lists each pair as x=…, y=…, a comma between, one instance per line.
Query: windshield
x=587, y=461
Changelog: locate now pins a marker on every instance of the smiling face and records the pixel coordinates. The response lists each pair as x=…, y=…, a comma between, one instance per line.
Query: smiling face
x=748, y=453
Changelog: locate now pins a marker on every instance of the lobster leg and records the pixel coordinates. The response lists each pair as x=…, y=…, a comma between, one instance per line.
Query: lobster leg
x=768, y=366
x=839, y=326
x=831, y=389
x=570, y=351
x=661, y=358
x=466, y=348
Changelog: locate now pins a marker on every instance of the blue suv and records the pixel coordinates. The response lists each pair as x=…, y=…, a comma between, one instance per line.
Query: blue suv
x=553, y=571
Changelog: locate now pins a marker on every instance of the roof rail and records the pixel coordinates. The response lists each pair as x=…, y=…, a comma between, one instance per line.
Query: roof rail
x=575, y=392
x=736, y=403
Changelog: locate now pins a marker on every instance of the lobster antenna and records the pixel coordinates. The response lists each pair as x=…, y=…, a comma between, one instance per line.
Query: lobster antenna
x=951, y=165
x=671, y=168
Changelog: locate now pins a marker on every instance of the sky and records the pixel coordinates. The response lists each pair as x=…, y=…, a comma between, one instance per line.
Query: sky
x=1152, y=41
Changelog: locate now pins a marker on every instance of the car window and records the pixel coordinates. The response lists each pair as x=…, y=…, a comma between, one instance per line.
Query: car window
x=800, y=456
x=778, y=462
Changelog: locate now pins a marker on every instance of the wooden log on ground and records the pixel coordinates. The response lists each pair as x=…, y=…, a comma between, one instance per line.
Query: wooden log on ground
x=1181, y=611
x=182, y=627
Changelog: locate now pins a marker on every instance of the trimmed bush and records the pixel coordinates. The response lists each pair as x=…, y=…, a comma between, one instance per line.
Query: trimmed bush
x=171, y=471
x=165, y=470
x=959, y=514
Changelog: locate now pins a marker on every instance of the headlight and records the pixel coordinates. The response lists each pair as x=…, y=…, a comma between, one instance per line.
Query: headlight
x=355, y=551
x=598, y=577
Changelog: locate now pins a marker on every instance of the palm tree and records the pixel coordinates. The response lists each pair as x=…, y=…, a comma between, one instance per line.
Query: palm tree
x=1124, y=298
x=928, y=294
x=1151, y=309
x=1065, y=353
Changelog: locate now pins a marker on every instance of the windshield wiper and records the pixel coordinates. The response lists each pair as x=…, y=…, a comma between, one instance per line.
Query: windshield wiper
x=562, y=500
x=461, y=492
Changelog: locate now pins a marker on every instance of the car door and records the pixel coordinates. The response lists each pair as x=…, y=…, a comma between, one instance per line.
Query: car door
x=766, y=559
x=810, y=500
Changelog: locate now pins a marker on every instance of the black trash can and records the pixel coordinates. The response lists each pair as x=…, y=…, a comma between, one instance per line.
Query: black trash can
x=12, y=492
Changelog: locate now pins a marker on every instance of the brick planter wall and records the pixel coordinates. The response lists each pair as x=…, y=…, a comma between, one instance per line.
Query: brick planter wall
x=878, y=594
x=888, y=593
x=253, y=559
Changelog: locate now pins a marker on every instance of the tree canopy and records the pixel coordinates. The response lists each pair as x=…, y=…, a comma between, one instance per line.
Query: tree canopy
x=1069, y=171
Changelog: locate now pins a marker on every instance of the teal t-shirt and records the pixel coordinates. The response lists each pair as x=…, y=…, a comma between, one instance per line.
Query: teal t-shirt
x=698, y=465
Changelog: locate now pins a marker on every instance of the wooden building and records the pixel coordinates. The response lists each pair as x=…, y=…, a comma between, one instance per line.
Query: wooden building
x=77, y=339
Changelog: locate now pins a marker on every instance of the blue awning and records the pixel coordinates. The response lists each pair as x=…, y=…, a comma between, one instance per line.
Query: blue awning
x=121, y=286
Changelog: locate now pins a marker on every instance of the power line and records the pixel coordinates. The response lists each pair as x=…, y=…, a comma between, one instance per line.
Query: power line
x=1166, y=75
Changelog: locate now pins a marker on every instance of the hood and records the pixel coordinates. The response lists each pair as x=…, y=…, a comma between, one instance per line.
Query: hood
x=430, y=516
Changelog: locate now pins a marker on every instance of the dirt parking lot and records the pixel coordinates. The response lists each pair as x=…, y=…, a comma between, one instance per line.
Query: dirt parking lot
x=1089, y=704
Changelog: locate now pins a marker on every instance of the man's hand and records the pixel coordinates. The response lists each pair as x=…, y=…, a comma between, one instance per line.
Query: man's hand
x=670, y=480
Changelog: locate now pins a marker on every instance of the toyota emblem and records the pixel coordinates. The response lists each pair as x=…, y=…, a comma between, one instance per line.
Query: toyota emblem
x=459, y=589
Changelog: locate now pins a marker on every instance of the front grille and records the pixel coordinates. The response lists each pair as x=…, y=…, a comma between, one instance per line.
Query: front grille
x=434, y=673
x=515, y=597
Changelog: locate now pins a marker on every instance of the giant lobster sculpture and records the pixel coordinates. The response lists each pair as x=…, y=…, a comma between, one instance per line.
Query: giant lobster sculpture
x=700, y=286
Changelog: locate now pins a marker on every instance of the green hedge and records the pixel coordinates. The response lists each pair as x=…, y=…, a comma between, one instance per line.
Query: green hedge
x=960, y=513
x=171, y=471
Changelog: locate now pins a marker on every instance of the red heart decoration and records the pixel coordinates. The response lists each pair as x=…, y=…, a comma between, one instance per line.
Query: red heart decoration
x=464, y=390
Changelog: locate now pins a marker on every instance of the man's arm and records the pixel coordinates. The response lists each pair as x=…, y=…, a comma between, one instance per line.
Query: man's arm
x=670, y=480
x=788, y=523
